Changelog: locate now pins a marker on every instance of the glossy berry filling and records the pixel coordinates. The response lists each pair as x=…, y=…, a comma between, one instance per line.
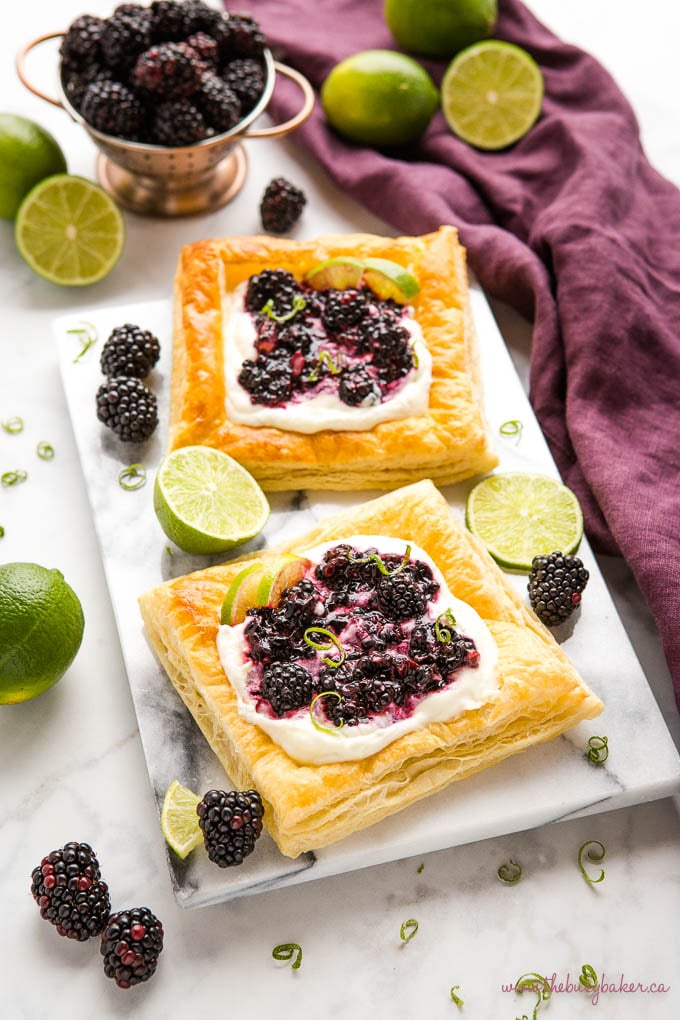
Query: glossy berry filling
x=348, y=343
x=362, y=633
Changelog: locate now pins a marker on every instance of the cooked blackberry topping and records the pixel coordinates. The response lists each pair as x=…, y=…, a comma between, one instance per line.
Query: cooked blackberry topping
x=246, y=78
x=287, y=686
x=399, y=598
x=268, y=381
x=177, y=122
x=281, y=206
x=219, y=105
x=358, y=388
x=299, y=605
x=555, y=586
x=344, y=309
x=231, y=824
x=131, y=944
x=113, y=109
x=168, y=21
x=171, y=70
x=124, y=37
x=68, y=888
x=342, y=569
x=130, y=351
x=81, y=42
x=198, y=17
x=206, y=47
x=276, y=285
x=128, y=408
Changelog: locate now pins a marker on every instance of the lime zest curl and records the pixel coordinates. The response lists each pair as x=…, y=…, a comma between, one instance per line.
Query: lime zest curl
x=408, y=929
x=510, y=872
x=289, y=951
x=10, y=478
x=326, y=646
x=12, y=426
x=88, y=336
x=513, y=427
x=534, y=983
x=380, y=563
x=45, y=450
x=325, y=357
x=456, y=998
x=595, y=852
x=132, y=477
x=588, y=977
x=444, y=626
x=268, y=309
x=2, y=531
x=598, y=750
x=318, y=725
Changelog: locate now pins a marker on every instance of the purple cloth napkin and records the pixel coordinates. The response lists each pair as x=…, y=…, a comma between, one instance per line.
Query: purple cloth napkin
x=575, y=229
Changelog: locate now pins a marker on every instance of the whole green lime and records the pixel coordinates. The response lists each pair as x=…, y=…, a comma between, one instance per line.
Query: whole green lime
x=41, y=628
x=28, y=153
x=440, y=28
x=379, y=98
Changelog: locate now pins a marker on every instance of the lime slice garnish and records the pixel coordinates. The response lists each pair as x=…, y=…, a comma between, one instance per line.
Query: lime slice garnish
x=241, y=594
x=518, y=516
x=338, y=273
x=206, y=502
x=260, y=584
x=69, y=231
x=491, y=94
x=179, y=821
x=390, y=280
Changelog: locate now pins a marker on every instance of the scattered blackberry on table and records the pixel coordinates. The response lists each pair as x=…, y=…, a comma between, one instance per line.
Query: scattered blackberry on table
x=206, y=47
x=171, y=70
x=128, y=408
x=112, y=108
x=231, y=824
x=68, y=888
x=358, y=388
x=130, y=351
x=281, y=206
x=287, y=686
x=244, y=37
x=82, y=41
x=124, y=37
x=167, y=20
x=276, y=285
x=131, y=943
x=344, y=309
x=555, y=586
x=177, y=122
x=246, y=78
x=219, y=105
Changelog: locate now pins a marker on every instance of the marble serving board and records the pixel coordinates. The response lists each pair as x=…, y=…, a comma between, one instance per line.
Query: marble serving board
x=547, y=783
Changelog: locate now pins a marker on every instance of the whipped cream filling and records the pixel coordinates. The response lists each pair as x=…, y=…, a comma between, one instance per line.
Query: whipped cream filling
x=470, y=687
x=322, y=410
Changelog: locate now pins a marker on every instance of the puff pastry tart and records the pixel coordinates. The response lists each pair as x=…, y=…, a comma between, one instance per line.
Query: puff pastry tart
x=443, y=437
x=388, y=735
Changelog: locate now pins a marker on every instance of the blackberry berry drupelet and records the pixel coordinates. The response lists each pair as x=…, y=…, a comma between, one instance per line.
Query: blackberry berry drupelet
x=231, y=823
x=68, y=888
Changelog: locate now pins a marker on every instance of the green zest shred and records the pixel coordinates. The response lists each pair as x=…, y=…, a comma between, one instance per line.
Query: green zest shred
x=289, y=951
x=588, y=977
x=132, y=477
x=298, y=304
x=408, y=930
x=534, y=983
x=598, y=751
x=317, y=725
x=331, y=642
x=379, y=562
x=510, y=872
x=595, y=852
x=13, y=477
x=45, y=450
x=443, y=627
x=88, y=335
x=13, y=425
x=456, y=998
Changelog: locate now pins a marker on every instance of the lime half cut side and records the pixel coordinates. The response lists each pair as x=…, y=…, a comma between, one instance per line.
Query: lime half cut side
x=69, y=231
x=179, y=821
x=518, y=516
x=491, y=94
x=206, y=502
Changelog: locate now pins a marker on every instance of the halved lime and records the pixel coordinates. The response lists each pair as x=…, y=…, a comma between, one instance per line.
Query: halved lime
x=491, y=94
x=261, y=584
x=390, y=280
x=518, y=516
x=69, y=231
x=206, y=502
x=179, y=821
x=338, y=273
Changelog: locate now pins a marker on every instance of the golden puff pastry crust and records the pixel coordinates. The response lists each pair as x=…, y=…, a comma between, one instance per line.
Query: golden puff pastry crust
x=540, y=694
x=448, y=442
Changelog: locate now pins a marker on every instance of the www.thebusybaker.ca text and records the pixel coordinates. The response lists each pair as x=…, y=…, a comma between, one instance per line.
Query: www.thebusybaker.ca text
x=604, y=986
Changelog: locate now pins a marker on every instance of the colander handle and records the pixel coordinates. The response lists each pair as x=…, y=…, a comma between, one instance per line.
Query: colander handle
x=307, y=106
x=21, y=61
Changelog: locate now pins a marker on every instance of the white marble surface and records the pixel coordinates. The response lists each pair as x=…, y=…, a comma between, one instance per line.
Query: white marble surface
x=71, y=763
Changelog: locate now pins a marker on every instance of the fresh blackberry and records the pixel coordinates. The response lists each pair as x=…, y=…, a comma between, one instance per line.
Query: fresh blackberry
x=177, y=122
x=128, y=408
x=219, y=105
x=555, y=586
x=287, y=686
x=131, y=10
x=68, y=888
x=124, y=37
x=246, y=78
x=399, y=598
x=131, y=944
x=244, y=37
x=206, y=47
x=113, y=109
x=343, y=309
x=198, y=17
x=130, y=351
x=75, y=83
x=358, y=388
x=170, y=70
x=167, y=20
x=276, y=285
x=231, y=824
x=267, y=380
x=281, y=206
x=81, y=42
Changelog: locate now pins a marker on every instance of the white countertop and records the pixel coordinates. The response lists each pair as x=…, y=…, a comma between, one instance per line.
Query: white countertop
x=71, y=764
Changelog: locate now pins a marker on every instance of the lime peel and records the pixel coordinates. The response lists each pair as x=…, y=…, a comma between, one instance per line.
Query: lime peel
x=386, y=278
x=179, y=821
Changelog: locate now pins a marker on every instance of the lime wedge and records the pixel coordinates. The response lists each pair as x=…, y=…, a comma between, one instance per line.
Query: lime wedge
x=491, y=94
x=179, y=821
x=206, y=502
x=390, y=280
x=338, y=273
x=518, y=516
x=260, y=584
x=69, y=231
x=241, y=594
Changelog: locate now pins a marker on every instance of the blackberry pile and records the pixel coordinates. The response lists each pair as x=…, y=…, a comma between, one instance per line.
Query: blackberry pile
x=170, y=74
x=68, y=888
x=388, y=653
x=131, y=944
x=314, y=340
x=231, y=823
x=124, y=403
x=555, y=586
